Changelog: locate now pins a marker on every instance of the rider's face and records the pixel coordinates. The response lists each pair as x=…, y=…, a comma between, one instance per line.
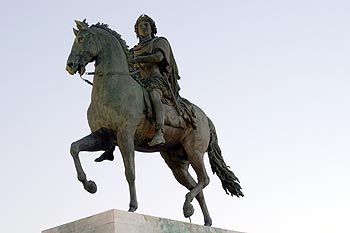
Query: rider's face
x=144, y=29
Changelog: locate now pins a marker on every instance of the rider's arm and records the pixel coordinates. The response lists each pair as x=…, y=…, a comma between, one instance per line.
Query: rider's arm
x=152, y=58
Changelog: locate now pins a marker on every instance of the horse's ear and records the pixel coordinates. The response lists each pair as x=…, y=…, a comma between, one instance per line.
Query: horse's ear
x=75, y=31
x=81, y=25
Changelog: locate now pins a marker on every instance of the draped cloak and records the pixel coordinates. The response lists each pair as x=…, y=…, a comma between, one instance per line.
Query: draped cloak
x=167, y=67
x=167, y=83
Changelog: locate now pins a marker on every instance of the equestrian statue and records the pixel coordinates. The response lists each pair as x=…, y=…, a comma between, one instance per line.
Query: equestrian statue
x=136, y=106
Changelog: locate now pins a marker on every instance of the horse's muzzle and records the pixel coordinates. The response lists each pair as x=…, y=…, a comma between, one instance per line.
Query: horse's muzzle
x=70, y=69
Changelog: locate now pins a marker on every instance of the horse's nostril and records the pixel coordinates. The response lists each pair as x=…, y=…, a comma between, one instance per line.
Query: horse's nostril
x=69, y=67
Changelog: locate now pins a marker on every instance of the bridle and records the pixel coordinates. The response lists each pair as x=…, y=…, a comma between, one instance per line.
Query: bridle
x=105, y=73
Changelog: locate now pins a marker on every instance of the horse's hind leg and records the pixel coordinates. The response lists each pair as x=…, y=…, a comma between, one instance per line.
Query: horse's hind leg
x=195, y=158
x=96, y=141
x=179, y=168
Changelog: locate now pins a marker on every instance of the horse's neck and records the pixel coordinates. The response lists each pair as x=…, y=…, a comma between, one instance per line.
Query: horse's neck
x=111, y=60
x=111, y=74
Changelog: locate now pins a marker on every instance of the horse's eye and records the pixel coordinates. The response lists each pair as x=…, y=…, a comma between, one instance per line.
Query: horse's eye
x=79, y=39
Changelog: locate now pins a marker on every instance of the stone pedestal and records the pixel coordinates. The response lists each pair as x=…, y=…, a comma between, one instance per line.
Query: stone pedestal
x=116, y=221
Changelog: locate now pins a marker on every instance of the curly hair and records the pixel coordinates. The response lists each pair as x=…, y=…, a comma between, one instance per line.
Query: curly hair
x=148, y=19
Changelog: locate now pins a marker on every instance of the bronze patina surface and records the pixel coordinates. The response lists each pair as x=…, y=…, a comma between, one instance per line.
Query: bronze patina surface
x=125, y=85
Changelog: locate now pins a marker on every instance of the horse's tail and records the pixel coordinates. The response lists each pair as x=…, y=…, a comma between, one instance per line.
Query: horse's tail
x=229, y=181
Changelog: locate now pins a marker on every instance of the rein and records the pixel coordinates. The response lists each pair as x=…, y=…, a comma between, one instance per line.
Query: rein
x=87, y=81
x=103, y=74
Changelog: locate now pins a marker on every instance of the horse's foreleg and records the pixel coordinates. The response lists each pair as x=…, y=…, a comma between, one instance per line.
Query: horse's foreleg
x=127, y=149
x=98, y=140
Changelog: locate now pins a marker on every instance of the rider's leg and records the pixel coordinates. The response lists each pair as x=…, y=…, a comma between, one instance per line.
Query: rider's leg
x=107, y=155
x=156, y=98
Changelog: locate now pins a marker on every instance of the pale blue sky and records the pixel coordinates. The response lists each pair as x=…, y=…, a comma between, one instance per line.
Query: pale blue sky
x=272, y=75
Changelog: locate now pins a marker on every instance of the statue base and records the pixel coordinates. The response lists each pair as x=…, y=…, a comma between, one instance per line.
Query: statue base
x=117, y=221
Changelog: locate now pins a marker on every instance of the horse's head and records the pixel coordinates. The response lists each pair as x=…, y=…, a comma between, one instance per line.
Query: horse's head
x=84, y=49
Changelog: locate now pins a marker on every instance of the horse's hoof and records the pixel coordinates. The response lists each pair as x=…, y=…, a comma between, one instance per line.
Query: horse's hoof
x=90, y=186
x=188, y=210
x=132, y=209
x=208, y=223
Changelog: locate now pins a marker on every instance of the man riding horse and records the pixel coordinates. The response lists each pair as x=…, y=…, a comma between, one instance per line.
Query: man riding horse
x=117, y=113
x=158, y=72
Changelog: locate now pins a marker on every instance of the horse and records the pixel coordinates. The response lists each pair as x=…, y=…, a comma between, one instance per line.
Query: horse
x=117, y=117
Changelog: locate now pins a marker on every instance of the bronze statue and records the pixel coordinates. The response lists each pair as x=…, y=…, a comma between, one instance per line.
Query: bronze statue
x=158, y=70
x=117, y=116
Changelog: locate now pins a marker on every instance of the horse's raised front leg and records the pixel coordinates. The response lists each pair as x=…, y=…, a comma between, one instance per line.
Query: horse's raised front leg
x=127, y=149
x=96, y=141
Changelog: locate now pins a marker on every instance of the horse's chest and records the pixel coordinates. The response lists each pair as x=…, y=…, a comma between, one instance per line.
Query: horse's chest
x=101, y=116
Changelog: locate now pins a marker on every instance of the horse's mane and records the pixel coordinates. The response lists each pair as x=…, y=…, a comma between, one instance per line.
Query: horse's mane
x=121, y=41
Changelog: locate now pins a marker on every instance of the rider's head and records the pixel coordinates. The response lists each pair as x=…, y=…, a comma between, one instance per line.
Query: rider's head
x=151, y=22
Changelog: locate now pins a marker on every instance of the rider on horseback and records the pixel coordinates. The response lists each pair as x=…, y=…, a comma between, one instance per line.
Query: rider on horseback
x=156, y=64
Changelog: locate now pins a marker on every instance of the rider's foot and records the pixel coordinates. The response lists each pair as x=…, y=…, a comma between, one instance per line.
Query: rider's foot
x=105, y=156
x=158, y=139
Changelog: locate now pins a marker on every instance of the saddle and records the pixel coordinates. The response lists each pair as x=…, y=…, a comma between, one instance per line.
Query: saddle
x=182, y=118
